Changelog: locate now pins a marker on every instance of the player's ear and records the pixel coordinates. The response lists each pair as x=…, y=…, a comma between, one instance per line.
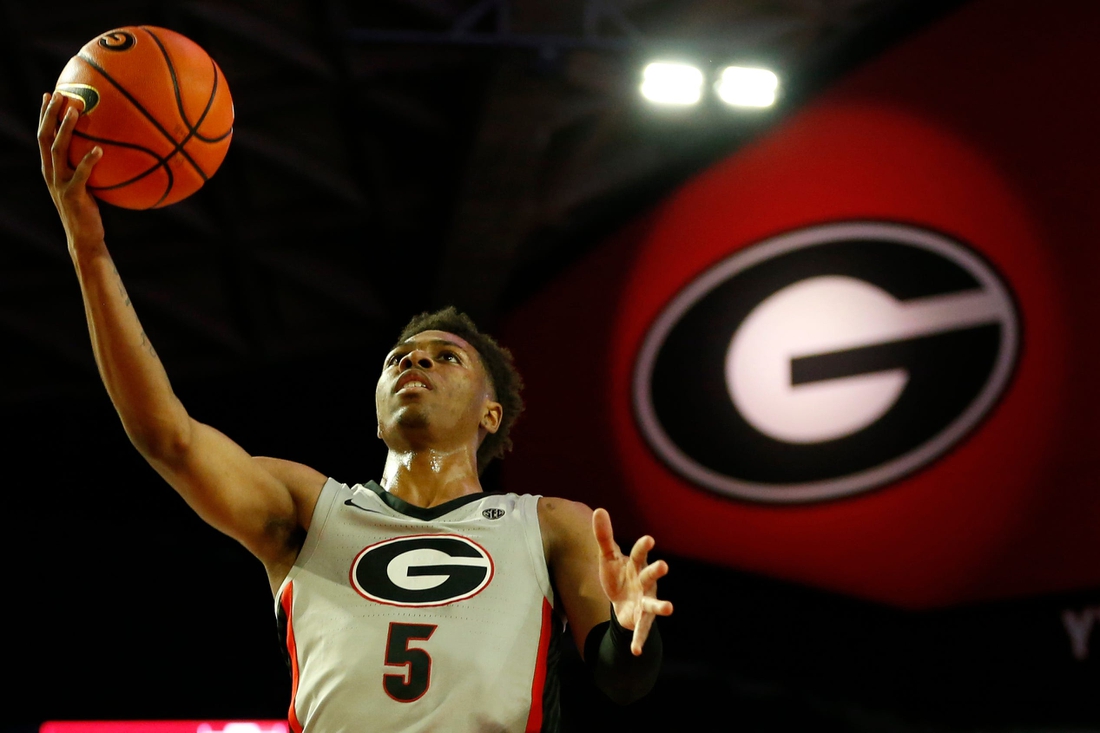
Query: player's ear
x=379, y=431
x=491, y=416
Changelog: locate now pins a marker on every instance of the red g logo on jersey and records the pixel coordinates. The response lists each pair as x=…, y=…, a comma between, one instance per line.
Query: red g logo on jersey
x=422, y=570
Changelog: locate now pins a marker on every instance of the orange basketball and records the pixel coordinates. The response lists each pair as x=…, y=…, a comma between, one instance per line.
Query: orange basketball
x=159, y=107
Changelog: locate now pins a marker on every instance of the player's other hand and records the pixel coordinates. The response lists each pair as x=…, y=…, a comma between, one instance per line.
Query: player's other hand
x=68, y=186
x=629, y=582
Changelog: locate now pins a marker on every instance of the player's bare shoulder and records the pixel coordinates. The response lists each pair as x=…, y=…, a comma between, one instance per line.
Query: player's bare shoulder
x=563, y=522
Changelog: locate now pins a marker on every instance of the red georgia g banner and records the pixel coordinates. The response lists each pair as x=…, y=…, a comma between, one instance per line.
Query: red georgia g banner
x=861, y=353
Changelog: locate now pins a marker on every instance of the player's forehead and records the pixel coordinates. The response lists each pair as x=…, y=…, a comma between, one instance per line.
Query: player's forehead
x=437, y=339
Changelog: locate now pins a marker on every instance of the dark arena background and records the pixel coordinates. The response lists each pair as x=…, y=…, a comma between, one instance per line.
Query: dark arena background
x=904, y=535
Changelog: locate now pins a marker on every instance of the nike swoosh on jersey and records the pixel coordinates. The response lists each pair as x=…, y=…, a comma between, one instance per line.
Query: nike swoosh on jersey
x=349, y=502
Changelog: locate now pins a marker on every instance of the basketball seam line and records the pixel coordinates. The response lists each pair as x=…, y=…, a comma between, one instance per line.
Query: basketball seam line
x=179, y=102
x=192, y=130
x=161, y=162
x=177, y=148
x=210, y=105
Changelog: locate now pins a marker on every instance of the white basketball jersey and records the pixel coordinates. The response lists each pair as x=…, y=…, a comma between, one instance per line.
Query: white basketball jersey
x=399, y=618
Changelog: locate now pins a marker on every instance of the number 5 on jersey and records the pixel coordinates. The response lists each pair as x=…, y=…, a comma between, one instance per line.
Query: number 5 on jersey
x=414, y=681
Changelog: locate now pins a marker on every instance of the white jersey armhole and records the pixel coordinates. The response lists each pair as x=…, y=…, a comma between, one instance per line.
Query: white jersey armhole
x=528, y=506
x=321, y=512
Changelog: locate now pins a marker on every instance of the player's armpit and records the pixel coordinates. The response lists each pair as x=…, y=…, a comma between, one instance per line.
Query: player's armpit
x=303, y=482
x=264, y=504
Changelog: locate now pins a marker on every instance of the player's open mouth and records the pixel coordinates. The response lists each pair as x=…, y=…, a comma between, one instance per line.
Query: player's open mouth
x=412, y=383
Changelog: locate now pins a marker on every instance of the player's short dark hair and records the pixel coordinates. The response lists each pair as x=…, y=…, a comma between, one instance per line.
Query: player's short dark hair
x=503, y=376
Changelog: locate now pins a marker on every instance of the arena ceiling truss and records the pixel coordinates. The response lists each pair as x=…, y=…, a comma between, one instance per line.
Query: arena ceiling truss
x=387, y=157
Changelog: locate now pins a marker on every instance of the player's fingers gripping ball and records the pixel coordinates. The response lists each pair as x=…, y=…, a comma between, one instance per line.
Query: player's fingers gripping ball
x=159, y=107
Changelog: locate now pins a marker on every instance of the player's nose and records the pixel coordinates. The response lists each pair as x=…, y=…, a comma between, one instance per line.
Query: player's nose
x=416, y=358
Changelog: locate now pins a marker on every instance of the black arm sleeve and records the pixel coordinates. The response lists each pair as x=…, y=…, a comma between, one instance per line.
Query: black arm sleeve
x=622, y=676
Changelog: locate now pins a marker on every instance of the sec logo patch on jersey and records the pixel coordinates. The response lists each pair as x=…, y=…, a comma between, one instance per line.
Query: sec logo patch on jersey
x=422, y=570
x=825, y=362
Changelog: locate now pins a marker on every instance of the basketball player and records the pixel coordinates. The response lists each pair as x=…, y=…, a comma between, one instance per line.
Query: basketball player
x=417, y=603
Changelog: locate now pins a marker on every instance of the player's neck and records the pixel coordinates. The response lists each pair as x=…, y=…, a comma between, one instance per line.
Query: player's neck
x=430, y=477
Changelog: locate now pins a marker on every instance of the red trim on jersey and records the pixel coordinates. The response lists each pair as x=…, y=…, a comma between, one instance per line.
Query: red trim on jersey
x=287, y=602
x=534, y=719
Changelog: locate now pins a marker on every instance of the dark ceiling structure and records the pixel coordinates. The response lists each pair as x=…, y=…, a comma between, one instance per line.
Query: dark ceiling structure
x=387, y=157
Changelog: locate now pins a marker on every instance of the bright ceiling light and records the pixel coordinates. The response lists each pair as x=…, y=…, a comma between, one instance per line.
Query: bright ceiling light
x=669, y=83
x=744, y=87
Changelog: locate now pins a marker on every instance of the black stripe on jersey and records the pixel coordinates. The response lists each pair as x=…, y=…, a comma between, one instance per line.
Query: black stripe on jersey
x=417, y=512
x=281, y=631
x=551, y=706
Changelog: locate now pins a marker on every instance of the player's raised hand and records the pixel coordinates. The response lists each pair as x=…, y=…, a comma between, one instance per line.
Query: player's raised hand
x=68, y=186
x=629, y=582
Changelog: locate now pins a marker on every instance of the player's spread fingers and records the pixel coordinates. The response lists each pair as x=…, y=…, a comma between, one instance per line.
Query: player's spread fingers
x=640, y=550
x=656, y=607
x=42, y=110
x=47, y=129
x=68, y=122
x=61, y=113
x=47, y=120
x=84, y=168
x=60, y=149
x=652, y=573
x=605, y=537
x=641, y=633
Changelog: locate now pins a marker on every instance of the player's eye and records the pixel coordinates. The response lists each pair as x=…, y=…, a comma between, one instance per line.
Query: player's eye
x=393, y=360
x=449, y=356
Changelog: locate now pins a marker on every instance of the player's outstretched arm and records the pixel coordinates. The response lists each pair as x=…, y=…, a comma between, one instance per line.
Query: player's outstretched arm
x=609, y=599
x=261, y=503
